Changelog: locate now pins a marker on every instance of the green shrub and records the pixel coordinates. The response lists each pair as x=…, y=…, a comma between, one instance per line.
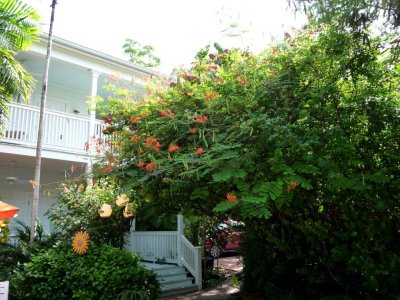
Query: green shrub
x=78, y=208
x=13, y=256
x=103, y=272
x=10, y=258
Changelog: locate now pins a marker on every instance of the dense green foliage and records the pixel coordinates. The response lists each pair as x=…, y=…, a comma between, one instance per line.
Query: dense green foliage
x=78, y=208
x=18, y=28
x=12, y=257
x=104, y=272
x=301, y=142
x=355, y=14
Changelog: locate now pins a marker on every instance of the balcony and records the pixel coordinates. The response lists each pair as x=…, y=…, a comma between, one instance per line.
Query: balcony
x=62, y=131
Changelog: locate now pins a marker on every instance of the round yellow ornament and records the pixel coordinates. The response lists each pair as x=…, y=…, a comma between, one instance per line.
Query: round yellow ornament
x=121, y=200
x=105, y=210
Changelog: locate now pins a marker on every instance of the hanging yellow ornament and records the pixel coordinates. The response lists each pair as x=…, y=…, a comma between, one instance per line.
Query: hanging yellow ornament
x=121, y=200
x=130, y=210
x=80, y=242
x=105, y=210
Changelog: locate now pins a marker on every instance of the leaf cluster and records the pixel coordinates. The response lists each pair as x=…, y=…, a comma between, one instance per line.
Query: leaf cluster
x=103, y=272
x=78, y=209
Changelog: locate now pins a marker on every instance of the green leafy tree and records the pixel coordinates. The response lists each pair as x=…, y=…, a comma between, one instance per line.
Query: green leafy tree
x=141, y=55
x=300, y=141
x=18, y=29
x=356, y=14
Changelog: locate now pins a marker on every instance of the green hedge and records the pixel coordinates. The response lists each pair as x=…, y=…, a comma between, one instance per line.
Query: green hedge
x=103, y=272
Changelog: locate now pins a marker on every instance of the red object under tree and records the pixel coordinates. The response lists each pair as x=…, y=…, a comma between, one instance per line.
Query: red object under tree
x=7, y=211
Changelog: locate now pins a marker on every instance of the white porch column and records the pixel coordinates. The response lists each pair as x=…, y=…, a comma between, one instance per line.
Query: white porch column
x=92, y=117
x=93, y=94
x=179, y=237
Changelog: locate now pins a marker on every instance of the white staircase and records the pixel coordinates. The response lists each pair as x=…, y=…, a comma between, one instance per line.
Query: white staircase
x=173, y=279
x=182, y=270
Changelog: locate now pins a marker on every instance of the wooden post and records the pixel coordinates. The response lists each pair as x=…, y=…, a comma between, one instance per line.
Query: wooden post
x=133, y=226
x=179, y=237
x=198, y=269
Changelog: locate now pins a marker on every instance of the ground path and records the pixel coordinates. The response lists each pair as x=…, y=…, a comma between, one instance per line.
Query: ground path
x=229, y=265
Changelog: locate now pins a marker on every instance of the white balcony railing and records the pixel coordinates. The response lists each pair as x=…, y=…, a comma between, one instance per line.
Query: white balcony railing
x=62, y=131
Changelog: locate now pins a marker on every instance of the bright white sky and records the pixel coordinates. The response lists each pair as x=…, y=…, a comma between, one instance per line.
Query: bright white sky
x=176, y=28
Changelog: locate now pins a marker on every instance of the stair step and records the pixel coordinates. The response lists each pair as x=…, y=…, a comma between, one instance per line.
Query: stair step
x=171, y=271
x=172, y=278
x=178, y=291
x=181, y=284
x=154, y=266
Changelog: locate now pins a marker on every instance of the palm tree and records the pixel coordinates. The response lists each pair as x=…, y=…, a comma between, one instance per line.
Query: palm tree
x=43, y=98
x=18, y=29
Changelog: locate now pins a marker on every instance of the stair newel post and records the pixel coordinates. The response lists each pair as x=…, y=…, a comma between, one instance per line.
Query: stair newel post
x=179, y=237
x=199, y=279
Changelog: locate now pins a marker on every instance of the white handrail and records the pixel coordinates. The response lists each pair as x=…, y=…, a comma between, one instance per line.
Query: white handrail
x=191, y=259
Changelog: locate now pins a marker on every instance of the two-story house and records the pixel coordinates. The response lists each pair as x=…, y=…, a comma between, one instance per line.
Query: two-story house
x=77, y=74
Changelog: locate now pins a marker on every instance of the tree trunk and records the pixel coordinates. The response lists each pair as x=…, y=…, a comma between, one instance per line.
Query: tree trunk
x=38, y=161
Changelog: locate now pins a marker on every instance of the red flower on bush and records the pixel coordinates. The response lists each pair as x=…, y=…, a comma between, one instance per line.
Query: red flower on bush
x=291, y=186
x=211, y=95
x=189, y=77
x=231, y=197
x=150, y=166
x=201, y=119
x=199, y=151
x=241, y=80
x=107, y=119
x=172, y=148
x=193, y=130
x=152, y=142
x=134, y=138
x=107, y=169
x=167, y=113
x=133, y=119
x=141, y=164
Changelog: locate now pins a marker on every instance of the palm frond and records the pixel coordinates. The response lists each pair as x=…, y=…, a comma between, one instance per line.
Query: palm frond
x=14, y=79
x=18, y=25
